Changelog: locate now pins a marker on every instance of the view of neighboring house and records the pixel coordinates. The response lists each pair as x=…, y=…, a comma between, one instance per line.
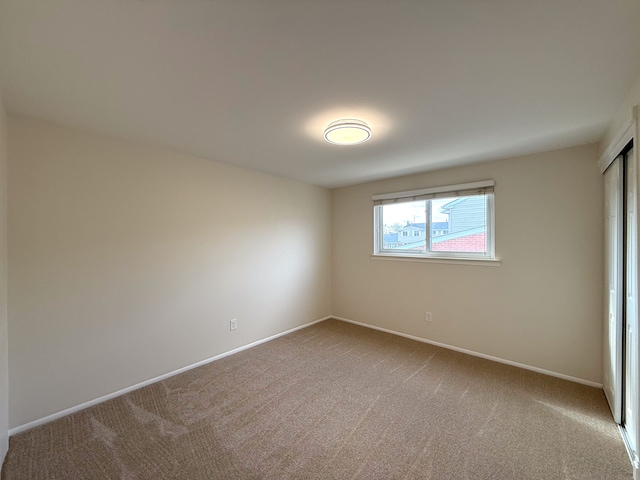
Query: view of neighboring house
x=463, y=232
x=390, y=240
x=439, y=228
x=467, y=229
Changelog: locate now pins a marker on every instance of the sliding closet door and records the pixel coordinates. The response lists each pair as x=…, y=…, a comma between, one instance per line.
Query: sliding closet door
x=630, y=367
x=614, y=220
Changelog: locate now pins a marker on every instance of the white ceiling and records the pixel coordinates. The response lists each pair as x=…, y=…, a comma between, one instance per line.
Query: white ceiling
x=254, y=82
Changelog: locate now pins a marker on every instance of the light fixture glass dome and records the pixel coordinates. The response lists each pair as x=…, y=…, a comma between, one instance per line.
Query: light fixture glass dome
x=347, y=131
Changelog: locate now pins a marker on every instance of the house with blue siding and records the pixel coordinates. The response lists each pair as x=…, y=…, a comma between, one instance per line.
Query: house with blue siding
x=465, y=213
x=413, y=233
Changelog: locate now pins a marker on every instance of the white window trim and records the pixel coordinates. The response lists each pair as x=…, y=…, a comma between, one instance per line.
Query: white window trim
x=450, y=261
x=487, y=258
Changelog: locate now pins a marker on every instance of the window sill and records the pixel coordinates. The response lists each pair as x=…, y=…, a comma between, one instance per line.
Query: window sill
x=451, y=261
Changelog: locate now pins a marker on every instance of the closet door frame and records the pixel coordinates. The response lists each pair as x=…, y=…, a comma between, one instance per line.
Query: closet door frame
x=631, y=351
x=629, y=133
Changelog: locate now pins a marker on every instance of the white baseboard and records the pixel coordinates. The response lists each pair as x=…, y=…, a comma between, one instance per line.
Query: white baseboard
x=476, y=354
x=104, y=398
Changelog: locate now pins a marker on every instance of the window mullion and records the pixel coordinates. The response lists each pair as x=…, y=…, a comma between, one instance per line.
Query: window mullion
x=488, y=231
x=427, y=233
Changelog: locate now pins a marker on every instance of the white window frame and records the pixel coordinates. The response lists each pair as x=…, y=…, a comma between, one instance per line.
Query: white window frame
x=485, y=187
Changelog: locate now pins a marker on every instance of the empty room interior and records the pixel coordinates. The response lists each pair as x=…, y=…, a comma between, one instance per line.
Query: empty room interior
x=268, y=239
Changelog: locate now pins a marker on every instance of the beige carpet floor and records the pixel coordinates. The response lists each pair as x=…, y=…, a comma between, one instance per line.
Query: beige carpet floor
x=335, y=401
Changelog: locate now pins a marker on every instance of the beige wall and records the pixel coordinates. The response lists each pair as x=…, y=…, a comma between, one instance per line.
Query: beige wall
x=127, y=262
x=542, y=307
x=4, y=372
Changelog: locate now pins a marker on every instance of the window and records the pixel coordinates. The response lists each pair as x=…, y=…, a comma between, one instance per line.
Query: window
x=451, y=222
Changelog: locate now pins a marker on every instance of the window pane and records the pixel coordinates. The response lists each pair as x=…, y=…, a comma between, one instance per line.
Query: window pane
x=459, y=224
x=404, y=226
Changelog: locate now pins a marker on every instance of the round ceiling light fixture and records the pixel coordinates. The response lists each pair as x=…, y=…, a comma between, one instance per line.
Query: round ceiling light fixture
x=347, y=131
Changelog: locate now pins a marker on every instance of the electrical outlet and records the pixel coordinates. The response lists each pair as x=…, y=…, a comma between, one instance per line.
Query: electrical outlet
x=428, y=317
x=233, y=324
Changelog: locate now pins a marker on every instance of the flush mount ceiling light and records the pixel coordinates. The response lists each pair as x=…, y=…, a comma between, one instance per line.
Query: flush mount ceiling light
x=347, y=131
